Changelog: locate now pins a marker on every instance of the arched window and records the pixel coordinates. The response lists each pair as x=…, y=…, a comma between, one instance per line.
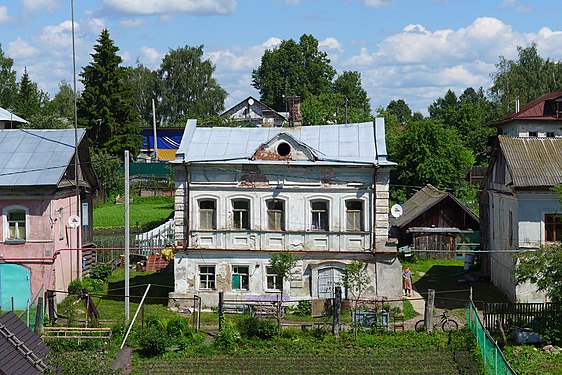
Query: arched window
x=276, y=214
x=354, y=216
x=15, y=227
x=241, y=214
x=207, y=214
x=320, y=215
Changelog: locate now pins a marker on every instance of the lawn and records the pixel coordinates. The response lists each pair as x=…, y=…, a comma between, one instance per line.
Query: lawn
x=452, y=283
x=145, y=213
x=528, y=360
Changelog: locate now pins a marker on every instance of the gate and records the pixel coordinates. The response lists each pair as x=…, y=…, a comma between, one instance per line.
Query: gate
x=14, y=285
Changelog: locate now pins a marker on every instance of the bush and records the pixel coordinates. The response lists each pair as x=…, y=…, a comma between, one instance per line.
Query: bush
x=178, y=327
x=100, y=272
x=152, y=341
x=75, y=287
x=303, y=308
x=92, y=285
x=155, y=321
x=253, y=327
x=228, y=337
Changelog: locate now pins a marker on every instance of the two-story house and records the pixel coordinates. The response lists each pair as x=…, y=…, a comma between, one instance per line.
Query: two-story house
x=320, y=192
x=518, y=209
x=44, y=223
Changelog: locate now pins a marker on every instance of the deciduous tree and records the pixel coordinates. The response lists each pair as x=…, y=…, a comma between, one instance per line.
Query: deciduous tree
x=8, y=86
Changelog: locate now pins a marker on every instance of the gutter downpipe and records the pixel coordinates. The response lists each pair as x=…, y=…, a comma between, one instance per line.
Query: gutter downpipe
x=374, y=228
x=186, y=209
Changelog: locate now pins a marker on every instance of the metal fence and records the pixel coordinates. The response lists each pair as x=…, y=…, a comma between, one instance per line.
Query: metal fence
x=493, y=358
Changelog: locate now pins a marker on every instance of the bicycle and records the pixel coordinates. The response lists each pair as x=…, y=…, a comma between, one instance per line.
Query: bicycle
x=446, y=323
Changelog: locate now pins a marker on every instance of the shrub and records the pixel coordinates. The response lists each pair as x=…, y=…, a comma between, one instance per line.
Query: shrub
x=178, y=327
x=228, y=337
x=152, y=341
x=75, y=287
x=303, y=308
x=253, y=327
x=153, y=320
x=66, y=307
x=92, y=285
x=100, y=272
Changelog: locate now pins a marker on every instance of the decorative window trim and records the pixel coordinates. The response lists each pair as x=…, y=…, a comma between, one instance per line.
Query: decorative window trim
x=234, y=212
x=346, y=211
x=201, y=210
x=6, y=224
x=275, y=212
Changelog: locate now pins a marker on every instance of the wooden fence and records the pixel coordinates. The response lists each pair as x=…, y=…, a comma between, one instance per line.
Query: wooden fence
x=511, y=315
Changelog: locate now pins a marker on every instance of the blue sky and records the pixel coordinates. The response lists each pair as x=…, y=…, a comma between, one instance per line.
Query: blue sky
x=404, y=49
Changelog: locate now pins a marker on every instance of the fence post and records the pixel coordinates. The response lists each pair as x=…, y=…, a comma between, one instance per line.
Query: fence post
x=221, y=302
x=337, y=312
x=429, y=309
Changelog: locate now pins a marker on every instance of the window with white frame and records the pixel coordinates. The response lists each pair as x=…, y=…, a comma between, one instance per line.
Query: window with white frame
x=241, y=214
x=207, y=214
x=354, y=216
x=320, y=217
x=274, y=282
x=15, y=224
x=276, y=215
x=240, y=278
x=206, y=277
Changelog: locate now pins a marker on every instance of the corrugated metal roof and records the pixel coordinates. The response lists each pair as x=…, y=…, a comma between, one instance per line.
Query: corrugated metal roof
x=6, y=115
x=533, y=162
x=350, y=143
x=35, y=157
x=535, y=110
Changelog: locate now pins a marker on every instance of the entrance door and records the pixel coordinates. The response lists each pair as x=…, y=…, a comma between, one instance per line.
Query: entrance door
x=14, y=283
x=328, y=279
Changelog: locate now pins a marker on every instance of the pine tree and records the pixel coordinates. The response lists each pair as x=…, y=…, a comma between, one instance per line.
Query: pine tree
x=105, y=107
x=29, y=99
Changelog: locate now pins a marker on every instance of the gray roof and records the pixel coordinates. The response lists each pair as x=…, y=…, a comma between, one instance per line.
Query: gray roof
x=35, y=157
x=422, y=201
x=362, y=143
x=6, y=115
x=533, y=162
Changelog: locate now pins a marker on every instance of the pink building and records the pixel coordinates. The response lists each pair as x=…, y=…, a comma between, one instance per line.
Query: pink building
x=44, y=224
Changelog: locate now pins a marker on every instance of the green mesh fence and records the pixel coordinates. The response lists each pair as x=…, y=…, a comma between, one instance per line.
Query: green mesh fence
x=494, y=361
x=34, y=315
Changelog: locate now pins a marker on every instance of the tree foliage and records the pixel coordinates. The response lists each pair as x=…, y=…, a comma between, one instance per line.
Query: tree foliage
x=524, y=79
x=400, y=110
x=8, y=86
x=293, y=69
x=186, y=86
x=143, y=90
x=106, y=108
x=29, y=99
x=428, y=152
x=542, y=267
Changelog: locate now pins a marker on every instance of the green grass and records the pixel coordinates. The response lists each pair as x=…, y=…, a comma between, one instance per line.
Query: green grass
x=452, y=284
x=528, y=360
x=144, y=213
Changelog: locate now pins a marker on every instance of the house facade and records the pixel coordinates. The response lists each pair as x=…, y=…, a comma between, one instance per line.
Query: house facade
x=243, y=194
x=39, y=248
x=518, y=209
x=435, y=223
x=252, y=112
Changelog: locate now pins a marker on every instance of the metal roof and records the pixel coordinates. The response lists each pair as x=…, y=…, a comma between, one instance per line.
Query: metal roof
x=362, y=143
x=533, y=162
x=422, y=201
x=540, y=109
x=6, y=115
x=35, y=157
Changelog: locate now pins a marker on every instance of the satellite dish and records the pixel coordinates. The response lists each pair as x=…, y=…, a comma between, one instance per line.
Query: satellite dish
x=396, y=210
x=251, y=101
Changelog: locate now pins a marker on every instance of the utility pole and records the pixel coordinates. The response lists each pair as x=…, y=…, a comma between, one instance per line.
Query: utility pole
x=154, y=128
x=127, y=229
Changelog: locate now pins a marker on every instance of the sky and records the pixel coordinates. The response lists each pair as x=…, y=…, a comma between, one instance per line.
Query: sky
x=414, y=50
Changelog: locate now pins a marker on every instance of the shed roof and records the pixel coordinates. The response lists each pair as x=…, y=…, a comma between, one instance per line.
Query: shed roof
x=21, y=350
x=6, y=115
x=422, y=201
x=533, y=162
x=35, y=157
x=361, y=143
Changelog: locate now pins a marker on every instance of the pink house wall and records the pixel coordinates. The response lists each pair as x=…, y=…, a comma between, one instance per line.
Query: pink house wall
x=45, y=251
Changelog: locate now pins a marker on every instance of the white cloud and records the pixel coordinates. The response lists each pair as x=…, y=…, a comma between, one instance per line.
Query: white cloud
x=330, y=43
x=57, y=37
x=272, y=42
x=363, y=59
x=150, y=57
x=197, y=7
x=40, y=5
x=4, y=17
x=20, y=49
x=377, y=3
x=132, y=23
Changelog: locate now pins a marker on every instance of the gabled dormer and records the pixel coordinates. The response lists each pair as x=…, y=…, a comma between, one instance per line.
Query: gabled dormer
x=284, y=147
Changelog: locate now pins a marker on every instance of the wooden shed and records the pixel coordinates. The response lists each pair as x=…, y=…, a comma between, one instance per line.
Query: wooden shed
x=435, y=224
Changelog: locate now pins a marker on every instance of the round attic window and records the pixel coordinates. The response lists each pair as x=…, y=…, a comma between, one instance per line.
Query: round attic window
x=283, y=149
